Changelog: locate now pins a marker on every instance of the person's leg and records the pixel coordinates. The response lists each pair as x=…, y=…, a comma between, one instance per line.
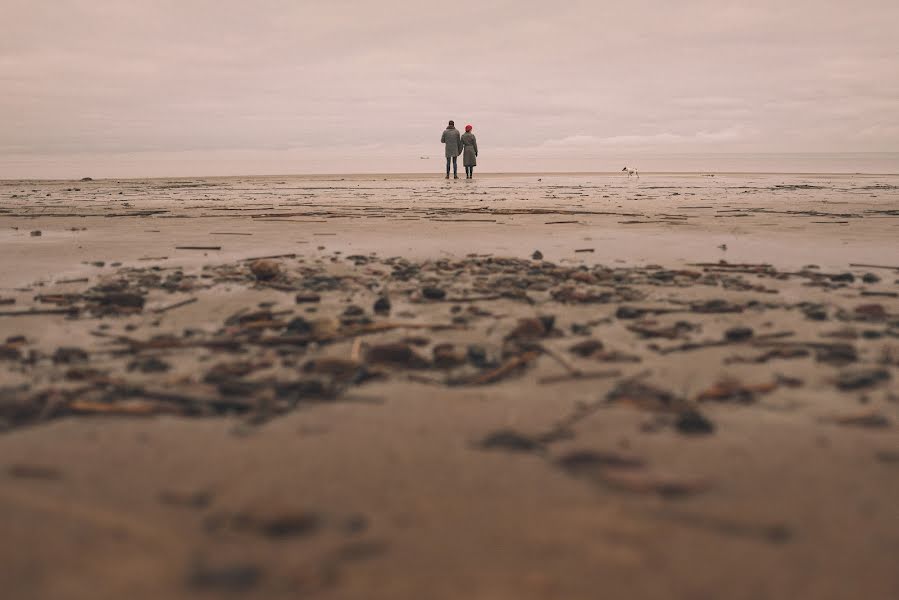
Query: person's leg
x=447, y=166
x=471, y=172
x=455, y=168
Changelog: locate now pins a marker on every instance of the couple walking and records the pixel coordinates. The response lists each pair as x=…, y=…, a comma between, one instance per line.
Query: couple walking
x=456, y=144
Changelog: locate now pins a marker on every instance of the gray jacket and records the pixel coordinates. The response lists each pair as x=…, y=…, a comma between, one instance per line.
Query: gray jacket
x=470, y=145
x=453, y=142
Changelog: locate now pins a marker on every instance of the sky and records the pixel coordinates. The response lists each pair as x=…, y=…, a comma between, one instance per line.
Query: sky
x=106, y=88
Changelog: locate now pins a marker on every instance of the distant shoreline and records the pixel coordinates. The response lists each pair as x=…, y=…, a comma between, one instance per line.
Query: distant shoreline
x=480, y=175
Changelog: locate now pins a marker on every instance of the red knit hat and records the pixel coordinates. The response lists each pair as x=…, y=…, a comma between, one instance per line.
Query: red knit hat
x=468, y=128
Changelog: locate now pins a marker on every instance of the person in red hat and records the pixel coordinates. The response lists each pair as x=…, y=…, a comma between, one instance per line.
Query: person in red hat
x=469, y=151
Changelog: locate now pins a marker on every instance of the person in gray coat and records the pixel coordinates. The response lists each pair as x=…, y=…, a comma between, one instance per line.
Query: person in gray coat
x=470, y=152
x=453, y=142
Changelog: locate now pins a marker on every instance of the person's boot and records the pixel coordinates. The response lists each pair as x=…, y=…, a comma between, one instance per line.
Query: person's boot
x=447, y=175
x=455, y=176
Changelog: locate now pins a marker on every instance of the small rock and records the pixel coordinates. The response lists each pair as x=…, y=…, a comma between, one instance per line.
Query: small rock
x=693, y=423
x=36, y=233
x=629, y=312
x=69, y=355
x=86, y=179
x=716, y=305
x=870, y=278
x=477, y=355
x=150, y=364
x=382, y=305
x=433, y=293
x=513, y=441
x=537, y=255
x=353, y=311
x=738, y=334
x=836, y=354
x=861, y=378
x=871, y=312
x=395, y=354
x=847, y=277
x=265, y=270
x=299, y=325
x=307, y=297
x=586, y=348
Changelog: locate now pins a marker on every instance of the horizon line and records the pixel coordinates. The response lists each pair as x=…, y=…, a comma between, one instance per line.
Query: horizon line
x=441, y=175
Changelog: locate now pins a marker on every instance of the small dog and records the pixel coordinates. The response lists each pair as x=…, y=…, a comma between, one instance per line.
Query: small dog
x=630, y=172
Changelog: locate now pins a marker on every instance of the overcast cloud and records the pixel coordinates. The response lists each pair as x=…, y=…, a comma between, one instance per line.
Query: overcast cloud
x=157, y=87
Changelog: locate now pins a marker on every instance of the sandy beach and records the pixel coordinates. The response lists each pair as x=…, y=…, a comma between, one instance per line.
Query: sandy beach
x=677, y=386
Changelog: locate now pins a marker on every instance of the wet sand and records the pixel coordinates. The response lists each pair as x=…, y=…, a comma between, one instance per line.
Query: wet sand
x=565, y=386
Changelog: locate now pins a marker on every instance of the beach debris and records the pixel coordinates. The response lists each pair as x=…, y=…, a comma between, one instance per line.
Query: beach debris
x=861, y=378
x=397, y=354
x=307, y=298
x=265, y=270
x=510, y=440
x=382, y=305
x=537, y=255
x=867, y=419
x=433, y=292
x=36, y=233
x=732, y=390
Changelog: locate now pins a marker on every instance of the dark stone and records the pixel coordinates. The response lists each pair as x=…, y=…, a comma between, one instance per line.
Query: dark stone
x=716, y=305
x=353, y=311
x=477, y=355
x=513, y=441
x=36, y=233
x=396, y=354
x=586, y=348
x=307, y=297
x=433, y=293
x=382, y=305
x=629, y=312
x=738, y=334
x=537, y=255
x=847, y=277
x=150, y=364
x=299, y=325
x=693, y=423
x=68, y=355
x=870, y=278
x=836, y=353
x=861, y=378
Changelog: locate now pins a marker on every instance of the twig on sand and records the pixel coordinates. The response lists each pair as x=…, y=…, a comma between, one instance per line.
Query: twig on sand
x=873, y=266
x=175, y=305
x=38, y=311
x=715, y=343
x=578, y=375
x=511, y=365
x=269, y=257
x=198, y=247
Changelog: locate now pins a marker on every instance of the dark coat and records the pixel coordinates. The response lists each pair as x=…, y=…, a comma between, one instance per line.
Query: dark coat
x=453, y=142
x=470, y=148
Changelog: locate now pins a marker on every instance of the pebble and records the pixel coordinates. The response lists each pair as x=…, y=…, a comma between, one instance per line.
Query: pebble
x=861, y=378
x=36, y=233
x=537, y=255
x=693, y=423
x=382, y=305
x=738, y=334
x=307, y=297
x=265, y=270
x=433, y=293
x=870, y=278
